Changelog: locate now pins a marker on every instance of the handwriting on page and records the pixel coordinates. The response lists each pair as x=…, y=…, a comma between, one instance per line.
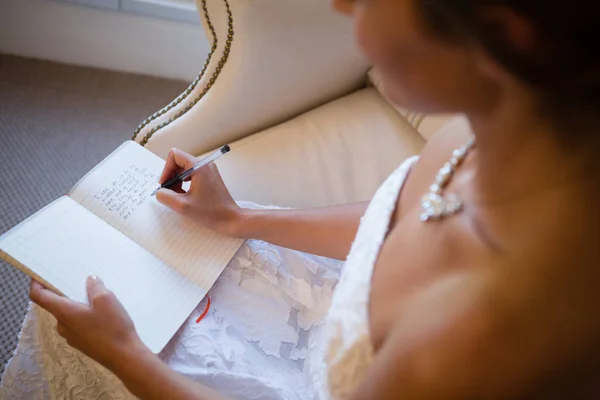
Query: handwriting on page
x=128, y=191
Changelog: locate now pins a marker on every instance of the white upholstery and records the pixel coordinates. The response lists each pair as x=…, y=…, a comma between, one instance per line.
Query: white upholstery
x=287, y=57
x=340, y=152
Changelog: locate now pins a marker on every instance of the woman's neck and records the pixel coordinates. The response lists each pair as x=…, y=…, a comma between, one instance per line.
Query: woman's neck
x=520, y=154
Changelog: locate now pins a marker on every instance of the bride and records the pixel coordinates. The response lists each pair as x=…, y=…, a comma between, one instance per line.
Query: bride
x=472, y=273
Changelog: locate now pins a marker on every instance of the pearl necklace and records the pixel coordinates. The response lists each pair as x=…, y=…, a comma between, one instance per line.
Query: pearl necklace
x=435, y=205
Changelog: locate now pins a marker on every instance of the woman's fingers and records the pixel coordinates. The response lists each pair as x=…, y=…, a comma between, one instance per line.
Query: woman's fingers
x=207, y=201
x=58, y=306
x=177, y=188
x=177, y=202
x=177, y=162
x=102, y=331
x=96, y=289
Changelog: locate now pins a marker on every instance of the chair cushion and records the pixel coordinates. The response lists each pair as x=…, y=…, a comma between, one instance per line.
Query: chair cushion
x=340, y=152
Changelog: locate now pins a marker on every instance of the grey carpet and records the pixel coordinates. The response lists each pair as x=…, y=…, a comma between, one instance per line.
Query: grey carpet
x=56, y=123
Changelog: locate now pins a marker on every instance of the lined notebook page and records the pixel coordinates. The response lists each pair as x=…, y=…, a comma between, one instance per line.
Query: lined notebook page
x=118, y=191
x=64, y=243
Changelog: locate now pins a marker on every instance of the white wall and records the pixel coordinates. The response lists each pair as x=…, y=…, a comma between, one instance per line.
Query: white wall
x=88, y=36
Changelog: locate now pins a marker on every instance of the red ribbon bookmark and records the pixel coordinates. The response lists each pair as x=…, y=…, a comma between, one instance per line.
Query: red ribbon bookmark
x=205, y=311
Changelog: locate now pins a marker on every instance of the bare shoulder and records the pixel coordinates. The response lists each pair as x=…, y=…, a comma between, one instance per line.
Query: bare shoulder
x=436, y=152
x=461, y=337
x=439, y=148
x=449, y=343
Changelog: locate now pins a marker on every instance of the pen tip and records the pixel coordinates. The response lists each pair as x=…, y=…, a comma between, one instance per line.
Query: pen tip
x=225, y=149
x=155, y=191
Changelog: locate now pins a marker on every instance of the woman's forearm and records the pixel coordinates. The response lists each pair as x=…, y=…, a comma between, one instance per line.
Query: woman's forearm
x=326, y=231
x=148, y=378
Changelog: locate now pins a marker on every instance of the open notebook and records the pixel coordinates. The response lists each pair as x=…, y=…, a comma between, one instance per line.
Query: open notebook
x=159, y=265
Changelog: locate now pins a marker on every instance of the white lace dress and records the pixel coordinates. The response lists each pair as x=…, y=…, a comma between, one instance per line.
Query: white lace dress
x=275, y=328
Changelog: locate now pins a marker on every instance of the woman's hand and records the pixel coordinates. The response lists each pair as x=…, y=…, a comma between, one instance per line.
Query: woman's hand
x=102, y=330
x=208, y=201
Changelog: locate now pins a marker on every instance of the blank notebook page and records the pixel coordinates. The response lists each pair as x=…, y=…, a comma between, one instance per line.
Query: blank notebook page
x=64, y=243
x=118, y=191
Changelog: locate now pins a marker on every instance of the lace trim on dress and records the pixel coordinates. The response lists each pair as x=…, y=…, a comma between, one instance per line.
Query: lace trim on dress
x=348, y=342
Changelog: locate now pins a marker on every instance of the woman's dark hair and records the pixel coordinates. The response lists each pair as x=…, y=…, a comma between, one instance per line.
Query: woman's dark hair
x=564, y=62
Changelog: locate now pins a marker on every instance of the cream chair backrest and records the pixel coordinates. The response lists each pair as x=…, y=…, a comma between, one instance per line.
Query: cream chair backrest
x=271, y=60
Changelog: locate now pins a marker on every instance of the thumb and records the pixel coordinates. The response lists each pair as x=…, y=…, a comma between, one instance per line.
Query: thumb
x=95, y=287
x=171, y=199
